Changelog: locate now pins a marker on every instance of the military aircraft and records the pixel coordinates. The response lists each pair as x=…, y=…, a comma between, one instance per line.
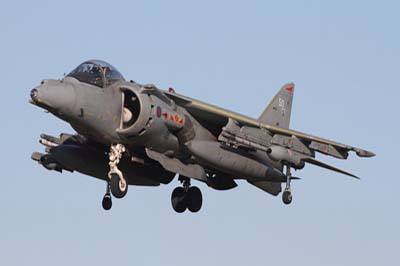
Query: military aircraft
x=134, y=134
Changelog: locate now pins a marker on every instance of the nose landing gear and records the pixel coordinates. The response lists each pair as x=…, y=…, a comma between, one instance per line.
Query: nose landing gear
x=186, y=197
x=117, y=184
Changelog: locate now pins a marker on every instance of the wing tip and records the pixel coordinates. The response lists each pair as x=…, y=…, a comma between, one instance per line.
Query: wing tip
x=364, y=153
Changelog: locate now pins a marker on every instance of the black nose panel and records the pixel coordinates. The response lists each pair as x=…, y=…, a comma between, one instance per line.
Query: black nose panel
x=34, y=94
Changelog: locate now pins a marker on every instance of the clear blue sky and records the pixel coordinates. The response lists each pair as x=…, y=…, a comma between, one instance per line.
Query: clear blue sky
x=343, y=57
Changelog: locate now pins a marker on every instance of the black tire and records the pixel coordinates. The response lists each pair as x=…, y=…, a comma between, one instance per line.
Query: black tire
x=117, y=188
x=194, y=199
x=287, y=197
x=107, y=202
x=178, y=200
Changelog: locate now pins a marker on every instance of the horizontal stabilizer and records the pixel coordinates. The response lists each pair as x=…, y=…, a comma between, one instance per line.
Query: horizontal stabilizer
x=329, y=167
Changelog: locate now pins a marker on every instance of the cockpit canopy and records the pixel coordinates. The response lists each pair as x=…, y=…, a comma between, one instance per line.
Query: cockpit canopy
x=96, y=72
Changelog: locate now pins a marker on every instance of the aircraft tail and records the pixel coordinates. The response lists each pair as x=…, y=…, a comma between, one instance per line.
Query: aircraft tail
x=279, y=109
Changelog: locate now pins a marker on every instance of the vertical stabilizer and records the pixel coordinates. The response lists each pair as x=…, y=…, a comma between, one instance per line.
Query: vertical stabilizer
x=279, y=109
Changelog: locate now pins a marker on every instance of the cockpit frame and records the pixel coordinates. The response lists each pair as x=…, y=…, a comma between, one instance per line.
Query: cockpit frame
x=96, y=72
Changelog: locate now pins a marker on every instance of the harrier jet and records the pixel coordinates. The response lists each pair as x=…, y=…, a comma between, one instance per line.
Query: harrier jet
x=133, y=134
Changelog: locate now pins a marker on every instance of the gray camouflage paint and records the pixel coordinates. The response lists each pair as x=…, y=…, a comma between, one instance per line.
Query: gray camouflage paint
x=173, y=134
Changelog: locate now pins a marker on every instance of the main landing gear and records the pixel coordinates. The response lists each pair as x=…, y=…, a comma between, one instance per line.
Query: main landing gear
x=287, y=193
x=117, y=184
x=186, y=197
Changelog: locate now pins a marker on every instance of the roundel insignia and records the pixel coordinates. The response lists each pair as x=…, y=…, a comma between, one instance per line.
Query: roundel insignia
x=159, y=111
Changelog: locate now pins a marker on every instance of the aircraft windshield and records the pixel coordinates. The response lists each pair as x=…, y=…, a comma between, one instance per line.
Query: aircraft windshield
x=96, y=72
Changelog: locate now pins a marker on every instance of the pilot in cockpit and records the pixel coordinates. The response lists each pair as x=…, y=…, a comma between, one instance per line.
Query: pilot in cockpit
x=96, y=72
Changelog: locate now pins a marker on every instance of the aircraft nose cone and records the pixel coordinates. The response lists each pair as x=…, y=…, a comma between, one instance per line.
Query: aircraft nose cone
x=54, y=96
x=34, y=94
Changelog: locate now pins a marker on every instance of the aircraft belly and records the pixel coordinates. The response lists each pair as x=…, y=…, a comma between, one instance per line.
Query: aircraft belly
x=95, y=164
x=228, y=161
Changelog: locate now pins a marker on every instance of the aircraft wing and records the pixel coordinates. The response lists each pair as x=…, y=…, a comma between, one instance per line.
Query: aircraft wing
x=214, y=118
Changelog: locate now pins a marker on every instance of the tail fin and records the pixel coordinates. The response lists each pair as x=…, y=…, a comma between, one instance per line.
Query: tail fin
x=279, y=109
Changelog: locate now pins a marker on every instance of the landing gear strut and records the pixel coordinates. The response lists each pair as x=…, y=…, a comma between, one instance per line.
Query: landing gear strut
x=118, y=184
x=186, y=197
x=287, y=193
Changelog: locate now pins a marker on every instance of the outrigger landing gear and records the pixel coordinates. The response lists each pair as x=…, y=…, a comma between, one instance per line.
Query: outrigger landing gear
x=186, y=197
x=287, y=193
x=107, y=202
x=118, y=184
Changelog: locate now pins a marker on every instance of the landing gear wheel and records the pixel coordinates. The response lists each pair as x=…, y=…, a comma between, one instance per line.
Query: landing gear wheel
x=287, y=197
x=107, y=202
x=194, y=199
x=119, y=186
x=178, y=199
